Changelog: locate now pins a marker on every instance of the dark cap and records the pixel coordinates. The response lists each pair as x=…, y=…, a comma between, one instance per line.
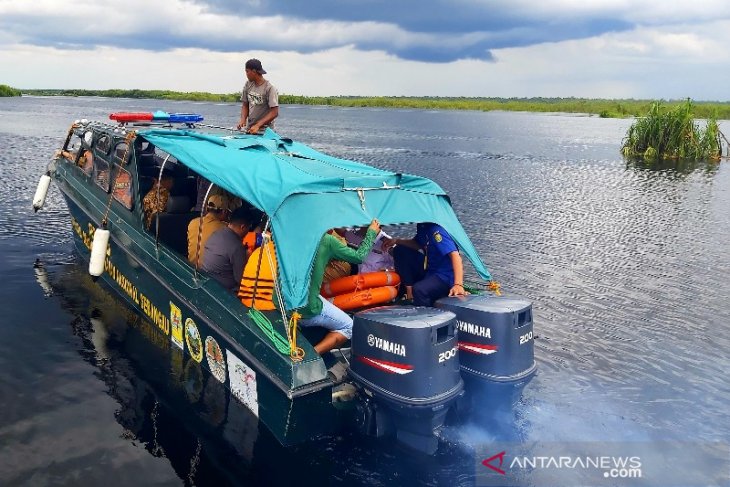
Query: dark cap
x=255, y=64
x=255, y=216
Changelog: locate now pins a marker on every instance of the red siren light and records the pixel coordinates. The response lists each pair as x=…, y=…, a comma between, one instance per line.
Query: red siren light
x=131, y=117
x=159, y=116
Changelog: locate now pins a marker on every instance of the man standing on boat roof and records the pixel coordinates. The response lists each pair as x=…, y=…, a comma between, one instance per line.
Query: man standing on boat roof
x=259, y=100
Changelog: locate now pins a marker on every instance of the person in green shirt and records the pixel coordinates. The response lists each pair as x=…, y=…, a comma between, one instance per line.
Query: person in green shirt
x=319, y=311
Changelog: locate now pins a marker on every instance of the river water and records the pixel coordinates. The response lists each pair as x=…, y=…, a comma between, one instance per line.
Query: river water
x=626, y=265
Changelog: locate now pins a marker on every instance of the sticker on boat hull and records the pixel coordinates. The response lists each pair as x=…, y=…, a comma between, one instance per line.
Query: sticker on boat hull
x=386, y=366
x=243, y=383
x=478, y=348
x=192, y=338
x=216, y=362
x=177, y=328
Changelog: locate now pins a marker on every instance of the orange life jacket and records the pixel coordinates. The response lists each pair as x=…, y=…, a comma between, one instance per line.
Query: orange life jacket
x=249, y=241
x=259, y=274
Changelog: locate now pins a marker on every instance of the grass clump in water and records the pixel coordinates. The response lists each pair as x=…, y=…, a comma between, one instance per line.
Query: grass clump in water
x=6, y=90
x=673, y=134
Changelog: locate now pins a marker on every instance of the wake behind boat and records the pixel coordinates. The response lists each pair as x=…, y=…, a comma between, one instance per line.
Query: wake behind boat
x=407, y=367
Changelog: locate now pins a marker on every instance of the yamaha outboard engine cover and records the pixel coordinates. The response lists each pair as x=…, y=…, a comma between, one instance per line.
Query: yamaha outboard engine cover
x=405, y=359
x=495, y=337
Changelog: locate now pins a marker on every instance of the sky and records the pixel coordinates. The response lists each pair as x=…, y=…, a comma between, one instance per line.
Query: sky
x=646, y=49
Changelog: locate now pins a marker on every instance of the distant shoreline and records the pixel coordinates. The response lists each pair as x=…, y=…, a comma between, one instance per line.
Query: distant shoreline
x=600, y=107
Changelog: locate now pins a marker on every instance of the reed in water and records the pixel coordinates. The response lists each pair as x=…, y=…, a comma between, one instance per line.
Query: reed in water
x=6, y=90
x=673, y=134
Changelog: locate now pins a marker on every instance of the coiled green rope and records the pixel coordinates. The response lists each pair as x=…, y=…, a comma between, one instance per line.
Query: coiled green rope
x=263, y=322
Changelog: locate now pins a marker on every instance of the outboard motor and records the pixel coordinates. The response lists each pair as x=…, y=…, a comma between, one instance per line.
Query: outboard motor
x=405, y=361
x=495, y=339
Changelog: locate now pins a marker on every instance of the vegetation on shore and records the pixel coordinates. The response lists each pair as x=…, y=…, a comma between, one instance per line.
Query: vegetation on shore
x=6, y=90
x=600, y=107
x=151, y=94
x=672, y=133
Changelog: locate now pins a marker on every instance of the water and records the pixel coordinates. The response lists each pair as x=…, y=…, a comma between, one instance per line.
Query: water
x=626, y=266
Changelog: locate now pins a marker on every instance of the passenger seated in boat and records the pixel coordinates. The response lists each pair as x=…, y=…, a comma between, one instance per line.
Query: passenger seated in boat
x=200, y=229
x=69, y=154
x=378, y=259
x=257, y=283
x=433, y=274
x=201, y=187
x=253, y=239
x=155, y=201
x=337, y=268
x=320, y=312
x=225, y=255
x=86, y=161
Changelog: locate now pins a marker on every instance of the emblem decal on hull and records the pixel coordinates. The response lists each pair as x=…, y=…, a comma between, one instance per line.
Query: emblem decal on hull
x=478, y=348
x=216, y=362
x=192, y=338
x=390, y=367
x=176, y=324
x=243, y=383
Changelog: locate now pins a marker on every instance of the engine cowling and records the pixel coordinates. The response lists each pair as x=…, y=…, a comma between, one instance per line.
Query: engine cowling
x=496, y=341
x=405, y=359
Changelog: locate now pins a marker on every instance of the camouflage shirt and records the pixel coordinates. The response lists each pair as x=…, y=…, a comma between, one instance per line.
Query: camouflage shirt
x=151, y=205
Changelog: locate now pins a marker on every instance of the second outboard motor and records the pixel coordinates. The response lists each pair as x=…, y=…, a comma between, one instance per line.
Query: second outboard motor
x=405, y=362
x=495, y=338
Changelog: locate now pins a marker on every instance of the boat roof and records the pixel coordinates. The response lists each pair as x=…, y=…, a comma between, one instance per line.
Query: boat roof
x=305, y=193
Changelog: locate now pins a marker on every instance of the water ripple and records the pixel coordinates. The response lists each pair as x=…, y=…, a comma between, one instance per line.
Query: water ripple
x=626, y=265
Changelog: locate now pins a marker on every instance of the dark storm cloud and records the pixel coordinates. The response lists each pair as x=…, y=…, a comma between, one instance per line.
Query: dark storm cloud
x=426, y=16
x=433, y=31
x=502, y=23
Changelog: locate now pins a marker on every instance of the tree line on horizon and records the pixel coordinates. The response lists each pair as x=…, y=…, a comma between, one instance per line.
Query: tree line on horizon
x=606, y=108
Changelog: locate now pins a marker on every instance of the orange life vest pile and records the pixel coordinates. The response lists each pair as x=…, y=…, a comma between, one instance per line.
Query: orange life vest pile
x=352, y=292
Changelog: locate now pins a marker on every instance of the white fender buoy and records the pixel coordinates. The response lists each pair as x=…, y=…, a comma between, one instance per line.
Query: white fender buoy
x=98, y=252
x=41, y=191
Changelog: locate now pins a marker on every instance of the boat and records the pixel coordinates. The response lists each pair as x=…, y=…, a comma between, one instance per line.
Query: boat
x=407, y=368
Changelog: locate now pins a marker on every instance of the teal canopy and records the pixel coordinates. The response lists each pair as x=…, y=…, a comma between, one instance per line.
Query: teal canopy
x=305, y=193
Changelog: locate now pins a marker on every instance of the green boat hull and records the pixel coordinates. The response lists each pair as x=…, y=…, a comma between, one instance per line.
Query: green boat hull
x=195, y=322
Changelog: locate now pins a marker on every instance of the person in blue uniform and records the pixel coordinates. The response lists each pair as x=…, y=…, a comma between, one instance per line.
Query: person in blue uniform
x=429, y=264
